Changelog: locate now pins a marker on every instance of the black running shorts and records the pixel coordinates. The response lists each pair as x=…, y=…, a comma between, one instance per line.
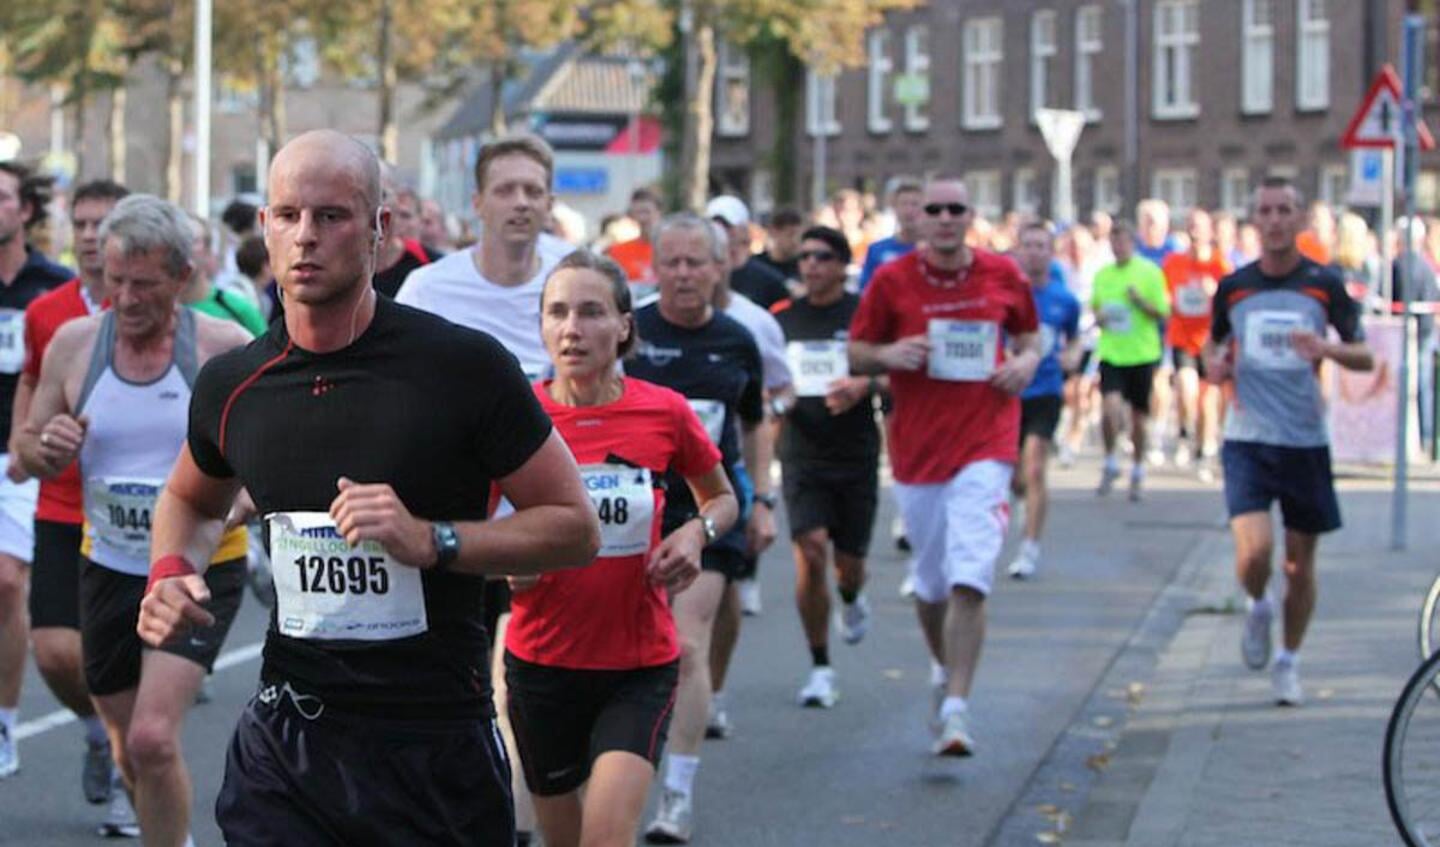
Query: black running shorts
x=110, y=608
x=55, y=576
x=564, y=719
x=838, y=499
x=297, y=773
x=1039, y=416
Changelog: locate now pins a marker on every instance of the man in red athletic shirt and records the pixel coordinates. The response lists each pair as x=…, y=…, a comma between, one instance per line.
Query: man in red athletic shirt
x=955, y=329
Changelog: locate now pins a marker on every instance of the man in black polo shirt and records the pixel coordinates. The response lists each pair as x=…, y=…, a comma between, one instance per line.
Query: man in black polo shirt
x=25, y=274
x=830, y=450
x=368, y=434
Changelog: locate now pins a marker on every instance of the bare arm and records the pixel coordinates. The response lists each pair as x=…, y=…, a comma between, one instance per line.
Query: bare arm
x=757, y=445
x=676, y=562
x=907, y=354
x=1351, y=355
x=50, y=439
x=24, y=392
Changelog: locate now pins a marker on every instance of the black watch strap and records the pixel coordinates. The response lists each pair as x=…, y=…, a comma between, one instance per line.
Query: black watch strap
x=447, y=544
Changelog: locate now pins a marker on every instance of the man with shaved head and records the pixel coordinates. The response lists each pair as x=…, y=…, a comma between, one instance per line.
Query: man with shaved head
x=367, y=434
x=955, y=328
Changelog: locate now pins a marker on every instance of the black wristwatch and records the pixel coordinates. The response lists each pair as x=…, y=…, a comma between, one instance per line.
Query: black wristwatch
x=447, y=544
x=769, y=500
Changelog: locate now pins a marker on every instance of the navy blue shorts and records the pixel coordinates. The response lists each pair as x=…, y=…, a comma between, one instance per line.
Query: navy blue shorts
x=1256, y=475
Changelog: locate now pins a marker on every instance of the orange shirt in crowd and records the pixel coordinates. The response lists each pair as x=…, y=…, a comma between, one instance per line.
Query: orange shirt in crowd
x=1192, y=284
x=637, y=258
x=1312, y=248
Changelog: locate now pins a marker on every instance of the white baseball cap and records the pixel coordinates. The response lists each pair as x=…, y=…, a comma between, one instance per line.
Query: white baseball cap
x=730, y=209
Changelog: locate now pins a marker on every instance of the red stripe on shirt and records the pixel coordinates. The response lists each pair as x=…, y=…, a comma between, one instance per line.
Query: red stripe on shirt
x=246, y=383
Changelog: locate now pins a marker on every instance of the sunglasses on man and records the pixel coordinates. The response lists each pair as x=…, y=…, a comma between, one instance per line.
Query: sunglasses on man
x=818, y=255
x=955, y=209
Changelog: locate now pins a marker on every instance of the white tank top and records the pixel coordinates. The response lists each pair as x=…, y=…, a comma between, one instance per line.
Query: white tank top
x=135, y=433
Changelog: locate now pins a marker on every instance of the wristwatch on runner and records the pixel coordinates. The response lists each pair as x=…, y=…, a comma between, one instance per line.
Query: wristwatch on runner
x=447, y=544
x=708, y=524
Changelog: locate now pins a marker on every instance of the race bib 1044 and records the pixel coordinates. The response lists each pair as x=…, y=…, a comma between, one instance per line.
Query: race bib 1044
x=624, y=498
x=963, y=351
x=12, y=341
x=816, y=364
x=712, y=416
x=119, y=513
x=327, y=590
x=1267, y=340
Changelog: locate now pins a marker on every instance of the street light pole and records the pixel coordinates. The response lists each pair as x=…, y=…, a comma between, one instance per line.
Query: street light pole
x=202, y=108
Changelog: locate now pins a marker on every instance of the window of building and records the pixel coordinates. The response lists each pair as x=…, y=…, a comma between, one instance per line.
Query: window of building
x=1427, y=192
x=1257, y=87
x=1235, y=191
x=301, y=66
x=1176, y=186
x=1334, y=184
x=1088, y=46
x=1025, y=195
x=1042, y=58
x=820, y=112
x=984, y=188
x=917, y=66
x=1177, y=41
x=1312, y=78
x=732, y=90
x=983, y=57
x=879, y=75
x=1107, y=189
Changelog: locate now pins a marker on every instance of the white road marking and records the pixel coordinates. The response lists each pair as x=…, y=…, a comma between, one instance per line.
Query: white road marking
x=61, y=717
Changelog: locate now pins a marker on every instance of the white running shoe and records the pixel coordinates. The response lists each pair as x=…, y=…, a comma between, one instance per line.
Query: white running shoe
x=1183, y=455
x=1108, y=475
x=9, y=754
x=1025, y=563
x=120, y=820
x=1137, y=483
x=1255, y=639
x=819, y=692
x=907, y=587
x=1155, y=456
x=1066, y=456
x=1204, y=472
x=749, y=590
x=853, y=619
x=673, y=821
x=1285, y=678
x=954, y=738
x=717, y=725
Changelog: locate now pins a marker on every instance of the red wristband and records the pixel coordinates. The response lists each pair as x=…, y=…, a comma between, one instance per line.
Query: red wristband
x=166, y=567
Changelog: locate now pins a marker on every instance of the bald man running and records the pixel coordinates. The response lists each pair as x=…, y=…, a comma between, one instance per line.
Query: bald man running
x=368, y=434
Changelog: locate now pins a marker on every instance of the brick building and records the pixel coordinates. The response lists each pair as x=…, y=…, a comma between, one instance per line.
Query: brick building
x=1188, y=100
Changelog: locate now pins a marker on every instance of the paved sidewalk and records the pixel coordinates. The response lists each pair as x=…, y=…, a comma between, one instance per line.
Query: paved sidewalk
x=1207, y=759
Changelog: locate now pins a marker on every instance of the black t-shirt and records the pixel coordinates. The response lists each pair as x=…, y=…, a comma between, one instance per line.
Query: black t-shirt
x=787, y=268
x=759, y=282
x=37, y=276
x=433, y=409
x=810, y=434
x=717, y=368
x=416, y=255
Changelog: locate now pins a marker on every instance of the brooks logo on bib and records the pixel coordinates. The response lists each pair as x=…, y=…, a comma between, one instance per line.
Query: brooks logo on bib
x=963, y=351
x=325, y=589
x=816, y=364
x=12, y=340
x=624, y=498
x=1267, y=340
x=119, y=512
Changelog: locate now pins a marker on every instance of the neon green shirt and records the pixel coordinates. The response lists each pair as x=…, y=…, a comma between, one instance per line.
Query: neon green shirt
x=230, y=307
x=1129, y=336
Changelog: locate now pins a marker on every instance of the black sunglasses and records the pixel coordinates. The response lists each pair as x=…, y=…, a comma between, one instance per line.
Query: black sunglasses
x=955, y=209
x=817, y=255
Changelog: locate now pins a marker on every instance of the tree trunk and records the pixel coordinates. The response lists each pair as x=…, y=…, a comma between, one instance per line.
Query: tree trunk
x=389, y=135
x=175, y=131
x=499, y=123
x=789, y=91
x=699, y=114
x=272, y=103
x=118, y=146
x=82, y=99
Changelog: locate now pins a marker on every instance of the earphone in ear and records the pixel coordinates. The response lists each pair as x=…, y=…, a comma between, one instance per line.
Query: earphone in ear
x=379, y=234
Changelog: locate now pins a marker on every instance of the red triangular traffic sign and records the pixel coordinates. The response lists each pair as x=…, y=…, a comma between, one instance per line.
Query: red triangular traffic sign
x=1377, y=123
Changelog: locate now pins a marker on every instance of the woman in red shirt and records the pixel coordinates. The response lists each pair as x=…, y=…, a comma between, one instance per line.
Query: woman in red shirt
x=592, y=657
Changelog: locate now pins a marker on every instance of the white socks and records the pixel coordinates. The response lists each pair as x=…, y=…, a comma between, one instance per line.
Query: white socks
x=680, y=773
x=1285, y=657
x=953, y=706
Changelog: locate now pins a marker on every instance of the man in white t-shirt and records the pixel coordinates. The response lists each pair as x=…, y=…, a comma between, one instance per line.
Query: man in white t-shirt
x=495, y=287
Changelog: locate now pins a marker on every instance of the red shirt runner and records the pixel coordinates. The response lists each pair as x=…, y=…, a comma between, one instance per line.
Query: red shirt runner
x=61, y=497
x=608, y=615
x=1192, y=284
x=940, y=425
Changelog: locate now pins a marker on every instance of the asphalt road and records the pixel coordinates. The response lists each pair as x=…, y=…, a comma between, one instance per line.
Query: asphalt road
x=859, y=774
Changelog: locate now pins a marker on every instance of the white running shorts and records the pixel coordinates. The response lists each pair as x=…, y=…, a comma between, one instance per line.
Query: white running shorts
x=17, y=514
x=956, y=529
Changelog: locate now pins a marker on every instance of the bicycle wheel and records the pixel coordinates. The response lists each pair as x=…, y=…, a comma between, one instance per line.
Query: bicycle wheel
x=1411, y=765
x=1429, y=634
